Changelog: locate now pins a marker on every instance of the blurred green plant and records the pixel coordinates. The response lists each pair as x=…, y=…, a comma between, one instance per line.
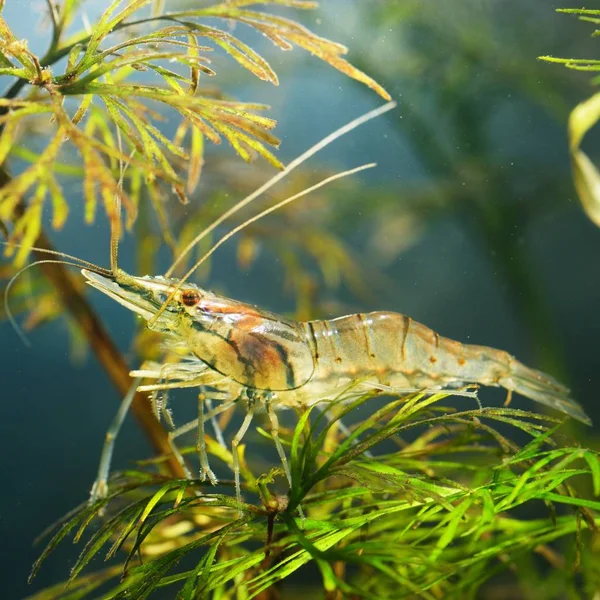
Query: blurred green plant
x=457, y=504
x=582, y=118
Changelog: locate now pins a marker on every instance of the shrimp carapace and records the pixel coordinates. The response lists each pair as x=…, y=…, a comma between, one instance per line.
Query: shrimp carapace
x=255, y=348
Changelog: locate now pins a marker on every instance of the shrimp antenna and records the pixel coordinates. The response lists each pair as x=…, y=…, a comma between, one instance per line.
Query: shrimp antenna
x=251, y=220
x=9, y=314
x=83, y=263
x=279, y=176
x=72, y=261
x=115, y=233
x=115, y=221
x=275, y=207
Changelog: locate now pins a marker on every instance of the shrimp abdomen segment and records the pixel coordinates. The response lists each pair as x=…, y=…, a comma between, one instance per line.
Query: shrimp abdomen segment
x=354, y=345
x=397, y=351
x=393, y=347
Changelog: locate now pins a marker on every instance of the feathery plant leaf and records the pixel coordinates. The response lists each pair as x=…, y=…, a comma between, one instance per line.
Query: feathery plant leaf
x=98, y=106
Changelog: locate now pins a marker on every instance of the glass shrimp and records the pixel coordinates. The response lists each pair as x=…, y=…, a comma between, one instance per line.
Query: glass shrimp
x=269, y=362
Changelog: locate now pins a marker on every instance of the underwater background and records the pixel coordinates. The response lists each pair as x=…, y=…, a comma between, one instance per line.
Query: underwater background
x=470, y=225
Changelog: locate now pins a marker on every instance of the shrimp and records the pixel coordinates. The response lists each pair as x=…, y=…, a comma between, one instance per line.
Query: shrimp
x=268, y=362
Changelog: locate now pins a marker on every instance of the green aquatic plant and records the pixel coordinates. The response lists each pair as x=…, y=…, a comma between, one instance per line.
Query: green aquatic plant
x=98, y=105
x=583, y=118
x=438, y=516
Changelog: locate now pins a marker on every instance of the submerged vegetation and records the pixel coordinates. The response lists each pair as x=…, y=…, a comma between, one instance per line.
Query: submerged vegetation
x=583, y=118
x=451, y=503
x=417, y=499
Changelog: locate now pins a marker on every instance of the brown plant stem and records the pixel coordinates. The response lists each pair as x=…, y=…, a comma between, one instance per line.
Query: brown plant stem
x=103, y=346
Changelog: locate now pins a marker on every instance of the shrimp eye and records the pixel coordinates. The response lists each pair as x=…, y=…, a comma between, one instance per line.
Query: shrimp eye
x=190, y=297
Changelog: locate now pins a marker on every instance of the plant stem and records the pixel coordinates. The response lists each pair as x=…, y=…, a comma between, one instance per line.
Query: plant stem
x=56, y=29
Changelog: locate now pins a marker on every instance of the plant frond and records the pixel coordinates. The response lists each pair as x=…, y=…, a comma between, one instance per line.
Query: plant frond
x=582, y=118
x=285, y=33
x=432, y=527
x=99, y=73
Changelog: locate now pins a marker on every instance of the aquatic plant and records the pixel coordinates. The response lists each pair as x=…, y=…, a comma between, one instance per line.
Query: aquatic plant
x=447, y=506
x=583, y=118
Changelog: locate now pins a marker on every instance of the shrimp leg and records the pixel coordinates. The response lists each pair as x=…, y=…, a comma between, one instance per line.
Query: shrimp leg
x=205, y=470
x=235, y=455
x=187, y=427
x=280, y=450
x=201, y=446
x=217, y=428
x=100, y=487
x=177, y=454
x=275, y=434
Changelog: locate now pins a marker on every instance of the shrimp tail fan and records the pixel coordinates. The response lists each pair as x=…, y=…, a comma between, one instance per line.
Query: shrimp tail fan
x=544, y=389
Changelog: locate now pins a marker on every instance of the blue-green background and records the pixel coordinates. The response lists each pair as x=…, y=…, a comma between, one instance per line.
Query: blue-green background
x=471, y=63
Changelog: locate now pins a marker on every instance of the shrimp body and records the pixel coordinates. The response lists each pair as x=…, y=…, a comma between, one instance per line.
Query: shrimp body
x=245, y=349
